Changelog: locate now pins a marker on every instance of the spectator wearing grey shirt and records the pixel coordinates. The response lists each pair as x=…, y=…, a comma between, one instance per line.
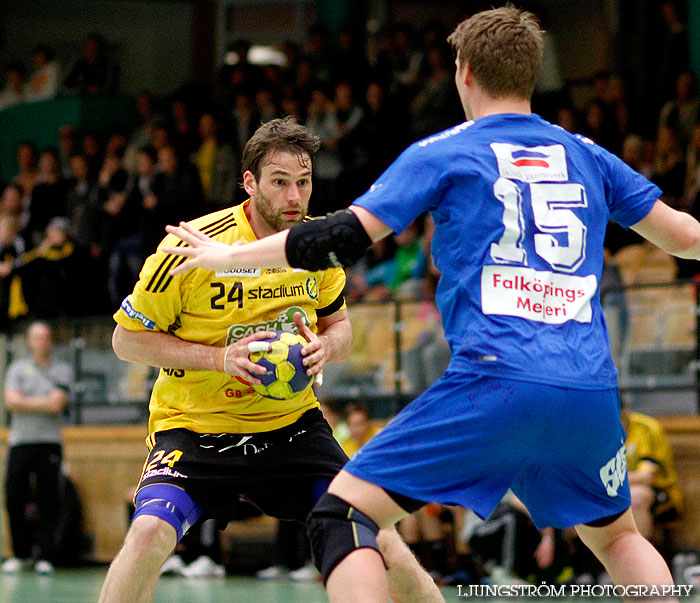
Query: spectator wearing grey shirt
x=36, y=392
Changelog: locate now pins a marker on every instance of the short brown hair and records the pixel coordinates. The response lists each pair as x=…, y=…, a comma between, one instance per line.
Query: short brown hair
x=283, y=134
x=503, y=47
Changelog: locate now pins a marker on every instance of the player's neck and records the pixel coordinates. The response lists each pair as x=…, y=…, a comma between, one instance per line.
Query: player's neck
x=484, y=106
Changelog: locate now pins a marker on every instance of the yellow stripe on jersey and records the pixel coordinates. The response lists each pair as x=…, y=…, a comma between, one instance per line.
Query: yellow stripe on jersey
x=217, y=309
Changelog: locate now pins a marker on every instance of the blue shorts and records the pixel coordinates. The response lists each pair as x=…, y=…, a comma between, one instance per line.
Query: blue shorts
x=470, y=437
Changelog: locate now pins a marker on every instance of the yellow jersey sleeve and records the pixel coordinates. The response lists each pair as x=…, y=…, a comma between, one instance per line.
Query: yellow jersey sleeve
x=156, y=301
x=330, y=297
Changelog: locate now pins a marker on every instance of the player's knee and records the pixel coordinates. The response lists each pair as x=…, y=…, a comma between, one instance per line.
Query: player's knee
x=337, y=529
x=150, y=535
x=171, y=505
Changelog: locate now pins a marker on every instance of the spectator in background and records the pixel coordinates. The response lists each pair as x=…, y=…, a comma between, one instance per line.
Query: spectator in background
x=48, y=197
x=242, y=120
x=67, y=147
x=142, y=136
x=91, y=74
x=84, y=216
x=176, y=195
x=402, y=274
x=436, y=105
x=11, y=247
x=184, y=134
x=321, y=120
x=216, y=163
x=13, y=93
x=36, y=392
x=360, y=428
x=12, y=204
x=43, y=81
x=28, y=173
x=669, y=167
x=673, y=54
x=656, y=495
x=265, y=106
x=567, y=119
x=683, y=112
x=50, y=282
x=634, y=155
x=92, y=150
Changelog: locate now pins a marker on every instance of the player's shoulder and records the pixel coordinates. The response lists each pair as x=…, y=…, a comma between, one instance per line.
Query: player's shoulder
x=213, y=225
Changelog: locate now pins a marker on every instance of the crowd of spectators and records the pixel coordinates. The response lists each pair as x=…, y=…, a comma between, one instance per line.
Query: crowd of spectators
x=366, y=100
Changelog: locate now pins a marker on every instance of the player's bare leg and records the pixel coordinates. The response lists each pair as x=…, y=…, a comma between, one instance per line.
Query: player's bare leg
x=133, y=575
x=628, y=557
x=407, y=580
x=361, y=576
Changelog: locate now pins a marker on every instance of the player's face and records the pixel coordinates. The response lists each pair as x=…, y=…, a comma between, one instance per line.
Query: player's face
x=280, y=198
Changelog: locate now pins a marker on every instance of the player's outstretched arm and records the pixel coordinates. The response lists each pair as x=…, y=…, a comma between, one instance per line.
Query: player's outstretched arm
x=676, y=232
x=336, y=240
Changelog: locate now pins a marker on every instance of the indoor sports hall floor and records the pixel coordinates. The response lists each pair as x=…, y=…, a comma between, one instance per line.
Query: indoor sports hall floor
x=83, y=586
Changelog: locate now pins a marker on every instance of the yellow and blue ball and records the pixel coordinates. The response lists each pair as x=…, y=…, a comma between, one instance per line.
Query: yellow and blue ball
x=286, y=375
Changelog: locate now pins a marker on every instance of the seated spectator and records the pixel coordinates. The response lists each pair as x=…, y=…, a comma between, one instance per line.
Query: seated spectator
x=28, y=173
x=682, y=113
x=436, y=106
x=91, y=74
x=142, y=136
x=360, y=427
x=669, y=167
x=184, y=134
x=48, y=197
x=13, y=93
x=656, y=495
x=11, y=247
x=43, y=81
x=12, y=203
x=67, y=147
x=92, y=150
x=403, y=274
x=49, y=277
x=217, y=164
x=512, y=549
x=176, y=195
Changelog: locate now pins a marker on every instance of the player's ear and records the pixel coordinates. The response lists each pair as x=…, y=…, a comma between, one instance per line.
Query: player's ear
x=249, y=183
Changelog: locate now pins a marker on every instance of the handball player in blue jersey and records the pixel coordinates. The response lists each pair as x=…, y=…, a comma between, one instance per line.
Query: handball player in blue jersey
x=530, y=399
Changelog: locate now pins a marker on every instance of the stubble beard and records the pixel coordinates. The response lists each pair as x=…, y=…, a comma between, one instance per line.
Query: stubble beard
x=273, y=216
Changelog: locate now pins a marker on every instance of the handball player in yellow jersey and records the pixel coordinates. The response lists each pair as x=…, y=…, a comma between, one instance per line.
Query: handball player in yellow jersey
x=212, y=438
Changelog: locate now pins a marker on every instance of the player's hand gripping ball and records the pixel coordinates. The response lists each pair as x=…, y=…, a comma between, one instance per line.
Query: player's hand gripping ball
x=286, y=375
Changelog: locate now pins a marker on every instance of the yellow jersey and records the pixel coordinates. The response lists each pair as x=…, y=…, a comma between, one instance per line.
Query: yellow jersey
x=219, y=308
x=646, y=441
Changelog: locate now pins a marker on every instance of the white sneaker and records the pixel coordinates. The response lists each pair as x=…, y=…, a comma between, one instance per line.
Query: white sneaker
x=275, y=572
x=306, y=573
x=13, y=565
x=43, y=568
x=173, y=566
x=204, y=567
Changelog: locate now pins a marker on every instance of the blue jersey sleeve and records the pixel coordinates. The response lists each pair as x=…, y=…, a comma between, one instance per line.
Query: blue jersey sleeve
x=631, y=196
x=410, y=186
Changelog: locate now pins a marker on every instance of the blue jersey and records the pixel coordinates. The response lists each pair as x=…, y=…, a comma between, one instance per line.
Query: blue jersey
x=520, y=209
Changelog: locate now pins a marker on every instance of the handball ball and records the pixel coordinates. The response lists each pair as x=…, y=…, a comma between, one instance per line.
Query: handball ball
x=286, y=375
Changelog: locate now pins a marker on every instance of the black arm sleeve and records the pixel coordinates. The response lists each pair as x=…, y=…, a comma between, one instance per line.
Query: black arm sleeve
x=334, y=241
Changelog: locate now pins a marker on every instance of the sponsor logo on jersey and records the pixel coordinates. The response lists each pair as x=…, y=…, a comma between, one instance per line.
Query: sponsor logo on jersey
x=283, y=322
x=136, y=315
x=613, y=473
x=542, y=296
x=444, y=135
x=312, y=287
x=531, y=164
x=276, y=292
x=239, y=272
x=163, y=471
